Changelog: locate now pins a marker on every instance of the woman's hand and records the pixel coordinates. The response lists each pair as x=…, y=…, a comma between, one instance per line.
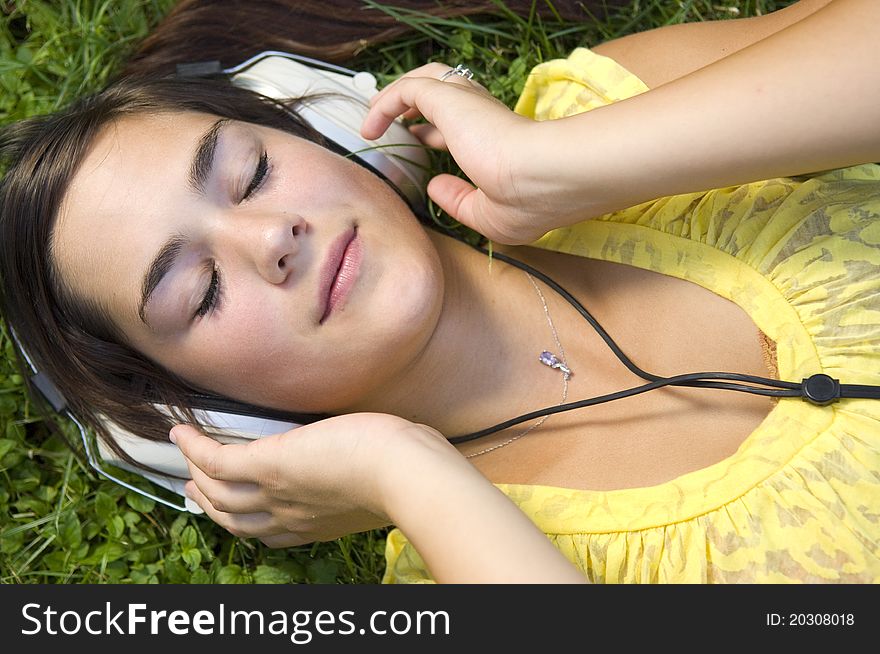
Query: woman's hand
x=495, y=148
x=313, y=483
x=366, y=470
x=749, y=116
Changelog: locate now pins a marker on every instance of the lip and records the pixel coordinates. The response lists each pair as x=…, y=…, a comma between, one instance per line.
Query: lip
x=339, y=272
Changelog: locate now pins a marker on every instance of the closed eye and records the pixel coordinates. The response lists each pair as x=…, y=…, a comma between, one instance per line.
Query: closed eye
x=259, y=177
x=211, y=295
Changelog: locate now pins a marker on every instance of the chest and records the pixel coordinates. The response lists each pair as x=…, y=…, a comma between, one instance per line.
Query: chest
x=666, y=326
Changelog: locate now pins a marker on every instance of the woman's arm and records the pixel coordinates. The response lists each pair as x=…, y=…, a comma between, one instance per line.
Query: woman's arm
x=801, y=100
x=464, y=528
x=664, y=54
x=361, y=471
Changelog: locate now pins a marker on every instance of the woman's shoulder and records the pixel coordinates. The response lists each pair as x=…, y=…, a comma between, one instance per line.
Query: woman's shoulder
x=583, y=81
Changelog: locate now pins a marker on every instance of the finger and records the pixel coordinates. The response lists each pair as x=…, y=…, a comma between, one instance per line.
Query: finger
x=224, y=462
x=385, y=107
x=470, y=206
x=454, y=196
x=433, y=70
x=403, y=96
x=243, y=525
x=285, y=540
x=429, y=135
x=461, y=81
x=429, y=71
x=228, y=496
x=456, y=99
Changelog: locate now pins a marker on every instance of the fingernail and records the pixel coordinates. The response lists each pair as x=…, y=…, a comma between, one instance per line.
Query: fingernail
x=172, y=437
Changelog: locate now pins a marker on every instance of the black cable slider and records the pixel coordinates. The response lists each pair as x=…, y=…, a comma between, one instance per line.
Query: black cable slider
x=199, y=69
x=820, y=389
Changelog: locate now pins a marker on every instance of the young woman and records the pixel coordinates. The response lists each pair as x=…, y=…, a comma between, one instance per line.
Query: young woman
x=420, y=338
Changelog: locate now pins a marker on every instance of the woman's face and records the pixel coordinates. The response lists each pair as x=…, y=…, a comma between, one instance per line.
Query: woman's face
x=249, y=261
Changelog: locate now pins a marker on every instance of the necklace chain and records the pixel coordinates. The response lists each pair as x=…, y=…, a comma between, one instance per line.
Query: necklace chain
x=559, y=363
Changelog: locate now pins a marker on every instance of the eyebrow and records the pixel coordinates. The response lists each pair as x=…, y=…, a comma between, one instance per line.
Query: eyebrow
x=199, y=172
x=159, y=267
x=203, y=160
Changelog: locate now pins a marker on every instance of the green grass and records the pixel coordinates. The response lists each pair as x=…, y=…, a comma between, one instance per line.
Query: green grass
x=59, y=522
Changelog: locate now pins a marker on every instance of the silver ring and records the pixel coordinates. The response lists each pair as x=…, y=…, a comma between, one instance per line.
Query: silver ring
x=460, y=70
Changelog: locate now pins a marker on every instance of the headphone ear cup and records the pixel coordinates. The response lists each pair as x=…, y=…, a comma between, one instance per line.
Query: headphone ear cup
x=336, y=102
x=168, y=467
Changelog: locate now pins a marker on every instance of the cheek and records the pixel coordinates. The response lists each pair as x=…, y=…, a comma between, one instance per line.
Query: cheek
x=234, y=349
x=262, y=356
x=319, y=183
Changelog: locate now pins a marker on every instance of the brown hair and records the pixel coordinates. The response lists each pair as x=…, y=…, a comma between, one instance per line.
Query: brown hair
x=230, y=31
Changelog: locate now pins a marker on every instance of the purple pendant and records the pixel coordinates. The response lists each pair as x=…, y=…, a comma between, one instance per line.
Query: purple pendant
x=551, y=360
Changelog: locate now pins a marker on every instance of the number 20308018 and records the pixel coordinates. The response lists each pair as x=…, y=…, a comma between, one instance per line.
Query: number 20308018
x=810, y=619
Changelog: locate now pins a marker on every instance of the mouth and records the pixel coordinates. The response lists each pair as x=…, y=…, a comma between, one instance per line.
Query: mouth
x=339, y=273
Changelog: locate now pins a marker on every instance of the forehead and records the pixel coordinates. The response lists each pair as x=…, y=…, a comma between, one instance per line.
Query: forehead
x=139, y=146
x=129, y=153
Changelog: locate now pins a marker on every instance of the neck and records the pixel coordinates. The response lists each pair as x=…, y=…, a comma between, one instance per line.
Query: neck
x=480, y=365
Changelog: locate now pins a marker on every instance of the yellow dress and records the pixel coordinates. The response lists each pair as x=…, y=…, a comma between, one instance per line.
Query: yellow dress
x=799, y=501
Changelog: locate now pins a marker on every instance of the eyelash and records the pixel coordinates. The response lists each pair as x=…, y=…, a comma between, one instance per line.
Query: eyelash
x=211, y=295
x=213, y=292
x=259, y=177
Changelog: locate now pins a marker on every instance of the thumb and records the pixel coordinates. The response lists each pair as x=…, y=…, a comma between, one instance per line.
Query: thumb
x=457, y=197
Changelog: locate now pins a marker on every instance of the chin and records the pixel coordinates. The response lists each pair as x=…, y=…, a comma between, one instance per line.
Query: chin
x=413, y=298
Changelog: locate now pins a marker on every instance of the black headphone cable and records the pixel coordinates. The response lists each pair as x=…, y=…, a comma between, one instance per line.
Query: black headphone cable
x=819, y=389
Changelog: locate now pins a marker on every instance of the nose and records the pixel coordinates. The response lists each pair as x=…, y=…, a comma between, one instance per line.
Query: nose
x=271, y=243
